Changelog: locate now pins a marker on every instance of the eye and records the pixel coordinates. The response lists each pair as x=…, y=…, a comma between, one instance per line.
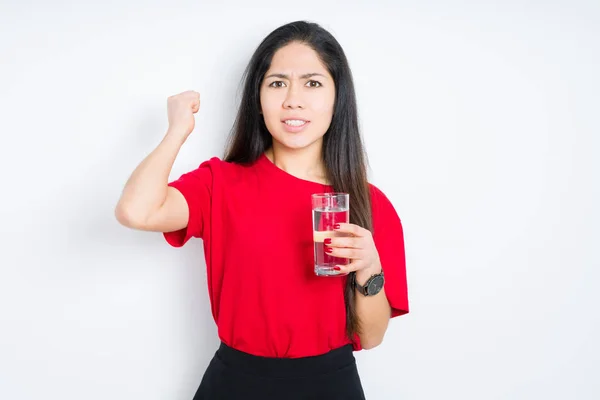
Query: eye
x=314, y=84
x=276, y=84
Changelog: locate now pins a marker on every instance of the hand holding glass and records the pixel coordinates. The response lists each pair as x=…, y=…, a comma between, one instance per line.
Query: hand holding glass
x=328, y=209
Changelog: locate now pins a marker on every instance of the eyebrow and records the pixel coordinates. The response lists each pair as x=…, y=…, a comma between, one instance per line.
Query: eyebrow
x=284, y=76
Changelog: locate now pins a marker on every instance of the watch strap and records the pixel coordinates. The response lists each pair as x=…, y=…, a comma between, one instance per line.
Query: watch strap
x=363, y=289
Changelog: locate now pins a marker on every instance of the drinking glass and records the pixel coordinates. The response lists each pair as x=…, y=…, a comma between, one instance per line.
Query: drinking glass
x=328, y=209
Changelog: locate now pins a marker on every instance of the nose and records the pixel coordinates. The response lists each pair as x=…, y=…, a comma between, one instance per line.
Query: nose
x=293, y=99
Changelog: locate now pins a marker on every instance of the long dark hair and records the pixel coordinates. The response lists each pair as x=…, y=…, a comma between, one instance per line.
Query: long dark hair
x=343, y=153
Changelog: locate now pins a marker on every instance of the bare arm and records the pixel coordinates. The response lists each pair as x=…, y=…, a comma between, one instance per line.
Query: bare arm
x=374, y=312
x=147, y=202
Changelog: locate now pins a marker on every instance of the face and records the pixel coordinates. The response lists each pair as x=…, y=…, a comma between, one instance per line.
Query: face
x=297, y=97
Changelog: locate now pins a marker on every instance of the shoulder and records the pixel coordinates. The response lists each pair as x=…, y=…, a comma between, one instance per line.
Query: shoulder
x=379, y=201
x=217, y=165
x=220, y=171
x=214, y=163
x=376, y=192
x=383, y=211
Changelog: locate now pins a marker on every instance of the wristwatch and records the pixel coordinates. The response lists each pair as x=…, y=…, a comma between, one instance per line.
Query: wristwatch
x=373, y=285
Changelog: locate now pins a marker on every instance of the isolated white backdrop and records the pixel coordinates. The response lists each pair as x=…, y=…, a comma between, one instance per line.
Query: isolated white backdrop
x=481, y=124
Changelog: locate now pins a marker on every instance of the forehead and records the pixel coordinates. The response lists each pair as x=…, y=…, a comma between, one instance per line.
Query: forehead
x=297, y=58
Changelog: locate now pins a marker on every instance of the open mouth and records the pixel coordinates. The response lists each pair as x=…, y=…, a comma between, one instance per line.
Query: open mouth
x=294, y=125
x=295, y=122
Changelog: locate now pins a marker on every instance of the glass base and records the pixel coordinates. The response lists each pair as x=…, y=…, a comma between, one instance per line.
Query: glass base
x=322, y=270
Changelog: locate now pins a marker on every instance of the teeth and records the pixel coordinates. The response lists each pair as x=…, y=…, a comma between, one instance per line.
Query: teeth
x=295, y=122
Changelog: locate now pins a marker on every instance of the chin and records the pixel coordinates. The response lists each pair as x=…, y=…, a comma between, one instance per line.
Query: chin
x=295, y=145
x=295, y=141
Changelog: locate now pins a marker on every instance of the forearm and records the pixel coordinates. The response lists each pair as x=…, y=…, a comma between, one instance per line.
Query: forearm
x=373, y=312
x=146, y=188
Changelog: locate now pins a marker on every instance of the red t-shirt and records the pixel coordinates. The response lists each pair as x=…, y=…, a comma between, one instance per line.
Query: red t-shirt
x=256, y=226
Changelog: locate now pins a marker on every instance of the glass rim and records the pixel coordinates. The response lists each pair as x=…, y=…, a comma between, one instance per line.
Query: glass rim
x=327, y=195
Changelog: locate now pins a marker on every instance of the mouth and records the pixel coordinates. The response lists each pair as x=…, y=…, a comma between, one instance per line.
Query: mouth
x=295, y=125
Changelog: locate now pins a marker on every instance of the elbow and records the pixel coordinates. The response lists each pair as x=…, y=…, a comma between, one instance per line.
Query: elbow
x=126, y=217
x=373, y=337
x=122, y=215
x=369, y=343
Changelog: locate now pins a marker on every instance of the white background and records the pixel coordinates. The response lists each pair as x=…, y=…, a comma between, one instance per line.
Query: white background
x=481, y=124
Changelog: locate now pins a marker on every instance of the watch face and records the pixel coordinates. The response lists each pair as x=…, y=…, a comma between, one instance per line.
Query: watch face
x=375, y=285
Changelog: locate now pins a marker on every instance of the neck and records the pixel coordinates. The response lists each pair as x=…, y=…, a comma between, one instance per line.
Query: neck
x=305, y=163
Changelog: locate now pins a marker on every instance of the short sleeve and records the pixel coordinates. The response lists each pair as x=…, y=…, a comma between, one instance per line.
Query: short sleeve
x=196, y=188
x=388, y=236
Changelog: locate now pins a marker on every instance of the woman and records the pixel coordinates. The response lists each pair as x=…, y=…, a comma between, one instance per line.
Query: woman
x=285, y=333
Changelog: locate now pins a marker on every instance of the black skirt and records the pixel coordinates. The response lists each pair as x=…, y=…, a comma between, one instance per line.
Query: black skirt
x=233, y=374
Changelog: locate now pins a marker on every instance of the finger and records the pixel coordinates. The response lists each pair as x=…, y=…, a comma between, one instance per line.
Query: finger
x=341, y=241
x=350, y=267
x=351, y=254
x=350, y=228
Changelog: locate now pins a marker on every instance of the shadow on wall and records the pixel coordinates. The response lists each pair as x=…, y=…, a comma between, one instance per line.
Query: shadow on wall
x=97, y=245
